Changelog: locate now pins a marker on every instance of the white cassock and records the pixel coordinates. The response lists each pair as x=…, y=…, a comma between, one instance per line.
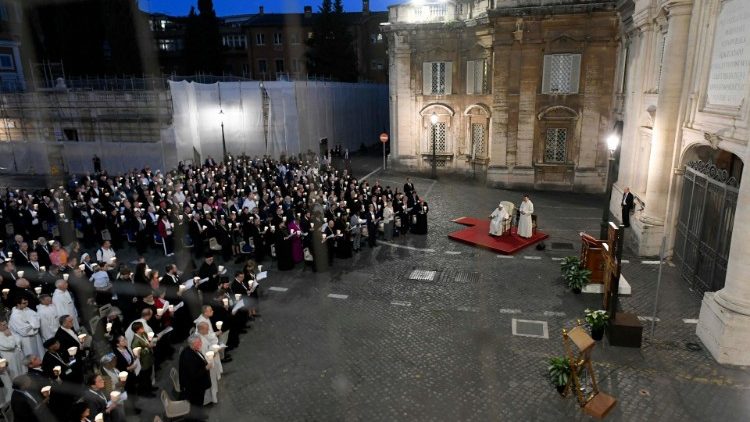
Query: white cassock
x=63, y=301
x=496, y=224
x=25, y=322
x=212, y=394
x=10, y=350
x=48, y=320
x=524, y=221
x=7, y=389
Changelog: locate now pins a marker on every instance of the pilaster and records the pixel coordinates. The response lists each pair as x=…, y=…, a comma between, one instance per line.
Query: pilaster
x=668, y=105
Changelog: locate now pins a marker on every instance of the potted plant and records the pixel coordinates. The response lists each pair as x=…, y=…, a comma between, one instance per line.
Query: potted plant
x=569, y=263
x=577, y=278
x=597, y=321
x=559, y=373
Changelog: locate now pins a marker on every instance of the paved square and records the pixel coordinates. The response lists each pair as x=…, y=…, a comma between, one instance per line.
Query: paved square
x=398, y=349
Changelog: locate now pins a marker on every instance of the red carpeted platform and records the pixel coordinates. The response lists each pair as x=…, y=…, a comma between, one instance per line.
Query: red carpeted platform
x=478, y=234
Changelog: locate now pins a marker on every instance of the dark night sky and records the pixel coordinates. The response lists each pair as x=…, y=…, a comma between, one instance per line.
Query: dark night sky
x=236, y=7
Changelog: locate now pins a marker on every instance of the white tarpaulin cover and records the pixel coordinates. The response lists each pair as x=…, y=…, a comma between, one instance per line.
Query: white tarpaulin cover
x=299, y=115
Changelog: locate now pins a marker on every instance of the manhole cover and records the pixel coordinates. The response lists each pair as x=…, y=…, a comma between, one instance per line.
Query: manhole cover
x=562, y=245
x=693, y=347
x=526, y=328
x=422, y=275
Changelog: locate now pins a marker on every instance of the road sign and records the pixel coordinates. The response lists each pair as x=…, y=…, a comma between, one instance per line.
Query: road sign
x=383, y=137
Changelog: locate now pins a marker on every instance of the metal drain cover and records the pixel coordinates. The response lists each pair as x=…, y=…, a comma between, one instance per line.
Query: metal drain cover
x=422, y=275
x=527, y=328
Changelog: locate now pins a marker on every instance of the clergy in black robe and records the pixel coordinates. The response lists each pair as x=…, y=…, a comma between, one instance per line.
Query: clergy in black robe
x=194, y=376
x=284, y=248
x=420, y=212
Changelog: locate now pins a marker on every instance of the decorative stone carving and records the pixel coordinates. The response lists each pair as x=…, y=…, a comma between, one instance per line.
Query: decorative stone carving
x=713, y=139
x=518, y=33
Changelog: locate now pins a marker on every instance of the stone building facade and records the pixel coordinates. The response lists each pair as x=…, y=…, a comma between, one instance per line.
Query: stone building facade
x=682, y=93
x=521, y=93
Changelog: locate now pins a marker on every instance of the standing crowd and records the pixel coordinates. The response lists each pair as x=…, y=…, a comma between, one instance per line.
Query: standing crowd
x=83, y=333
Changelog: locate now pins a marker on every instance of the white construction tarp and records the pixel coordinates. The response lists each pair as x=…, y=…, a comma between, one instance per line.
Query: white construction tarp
x=24, y=157
x=116, y=157
x=200, y=110
x=300, y=114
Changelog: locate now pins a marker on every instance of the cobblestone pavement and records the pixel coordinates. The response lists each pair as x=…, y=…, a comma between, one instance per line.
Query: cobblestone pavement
x=364, y=342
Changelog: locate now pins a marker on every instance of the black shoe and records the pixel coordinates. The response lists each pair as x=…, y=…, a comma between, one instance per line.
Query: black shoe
x=226, y=360
x=243, y=331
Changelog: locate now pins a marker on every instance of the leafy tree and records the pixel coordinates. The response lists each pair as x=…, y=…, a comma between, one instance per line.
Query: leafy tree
x=331, y=48
x=203, y=40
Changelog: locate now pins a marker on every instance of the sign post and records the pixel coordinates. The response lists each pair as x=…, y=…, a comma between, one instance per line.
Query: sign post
x=384, y=140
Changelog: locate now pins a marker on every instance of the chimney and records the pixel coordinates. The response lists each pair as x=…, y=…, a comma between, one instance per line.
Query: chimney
x=308, y=11
x=261, y=10
x=365, y=7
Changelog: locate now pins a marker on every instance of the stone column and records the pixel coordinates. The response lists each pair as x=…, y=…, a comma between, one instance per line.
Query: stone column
x=667, y=111
x=401, y=98
x=724, y=323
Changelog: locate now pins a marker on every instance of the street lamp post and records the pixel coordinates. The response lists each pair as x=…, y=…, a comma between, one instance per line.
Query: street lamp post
x=434, y=121
x=221, y=116
x=223, y=141
x=613, y=141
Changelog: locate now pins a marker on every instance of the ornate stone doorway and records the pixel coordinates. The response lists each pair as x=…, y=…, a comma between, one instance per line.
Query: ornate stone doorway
x=706, y=217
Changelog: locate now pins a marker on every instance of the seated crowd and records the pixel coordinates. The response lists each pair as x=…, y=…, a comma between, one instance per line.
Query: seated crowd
x=84, y=334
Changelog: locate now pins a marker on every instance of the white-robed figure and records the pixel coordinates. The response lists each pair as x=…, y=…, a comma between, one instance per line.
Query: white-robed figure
x=209, y=340
x=497, y=218
x=63, y=301
x=47, y=317
x=10, y=350
x=524, y=219
x=25, y=322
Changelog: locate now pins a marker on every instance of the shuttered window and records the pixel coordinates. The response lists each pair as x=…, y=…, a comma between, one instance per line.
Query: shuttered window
x=437, y=78
x=562, y=73
x=476, y=77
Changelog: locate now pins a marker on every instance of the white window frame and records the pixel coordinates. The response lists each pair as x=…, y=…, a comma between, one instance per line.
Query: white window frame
x=265, y=64
x=444, y=80
x=260, y=38
x=276, y=65
x=555, y=65
x=277, y=38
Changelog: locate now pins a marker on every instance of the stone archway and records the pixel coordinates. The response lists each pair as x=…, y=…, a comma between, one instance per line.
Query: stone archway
x=705, y=220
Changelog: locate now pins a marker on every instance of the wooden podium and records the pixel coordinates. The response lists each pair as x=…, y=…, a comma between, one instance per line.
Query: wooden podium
x=592, y=257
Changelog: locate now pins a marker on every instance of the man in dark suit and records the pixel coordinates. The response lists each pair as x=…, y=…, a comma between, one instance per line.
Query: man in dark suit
x=194, y=376
x=627, y=206
x=26, y=407
x=408, y=187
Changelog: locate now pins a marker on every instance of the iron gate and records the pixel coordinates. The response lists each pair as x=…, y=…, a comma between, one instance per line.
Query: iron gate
x=704, y=225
